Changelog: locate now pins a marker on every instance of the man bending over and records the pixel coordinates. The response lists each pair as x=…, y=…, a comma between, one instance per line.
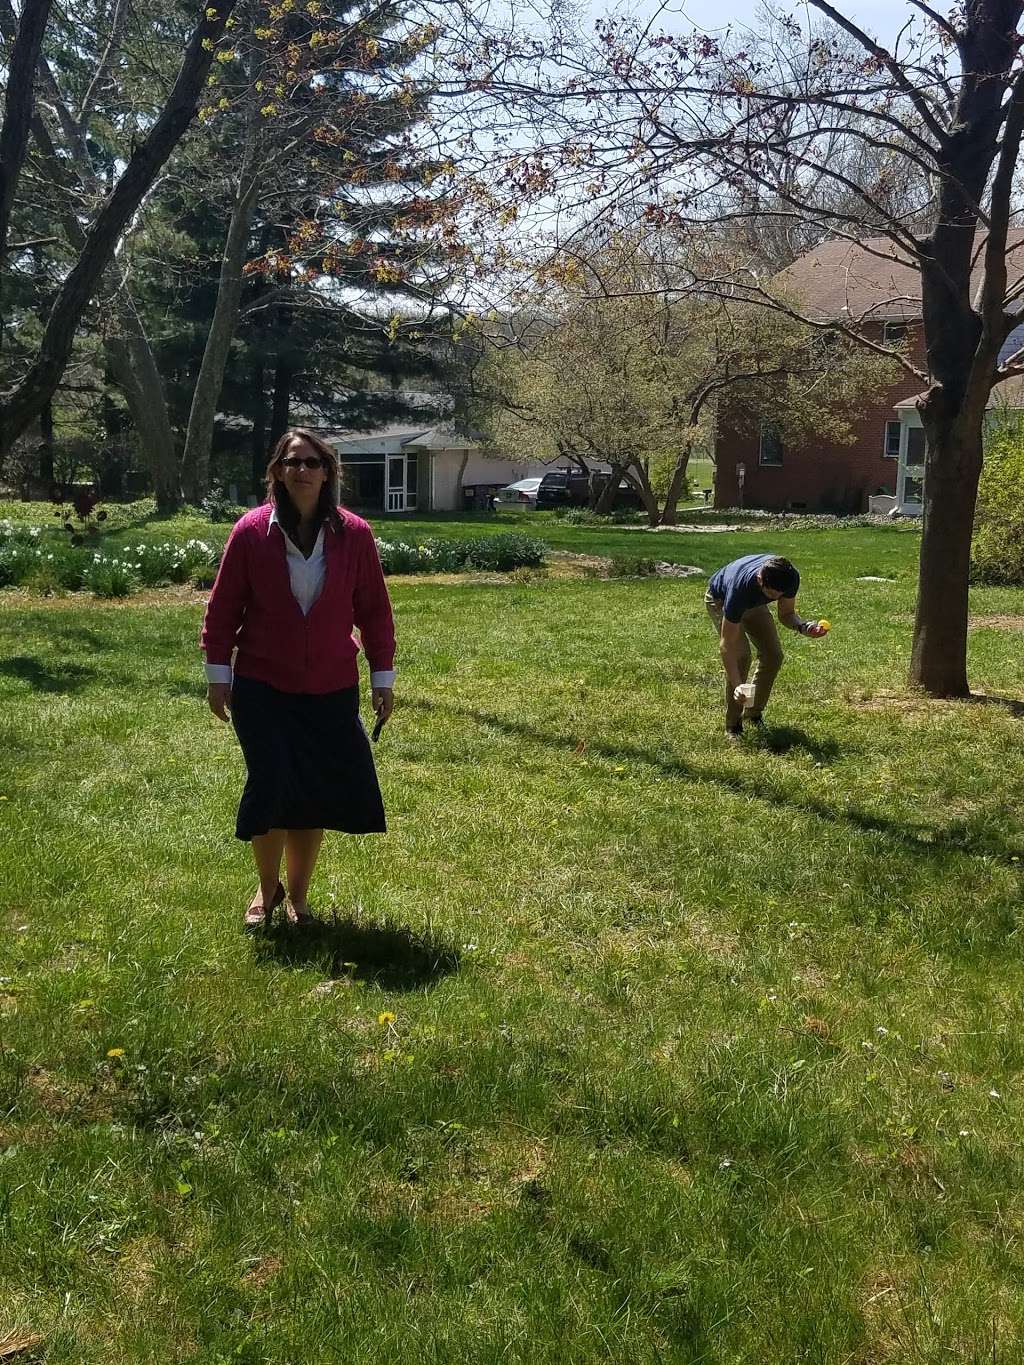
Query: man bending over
x=737, y=601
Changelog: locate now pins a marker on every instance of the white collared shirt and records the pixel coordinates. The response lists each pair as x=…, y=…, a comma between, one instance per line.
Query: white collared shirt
x=306, y=577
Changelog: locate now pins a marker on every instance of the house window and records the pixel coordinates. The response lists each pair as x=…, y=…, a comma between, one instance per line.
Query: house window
x=892, y=441
x=895, y=333
x=916, y=447
x=913, y=490
x=770, y=451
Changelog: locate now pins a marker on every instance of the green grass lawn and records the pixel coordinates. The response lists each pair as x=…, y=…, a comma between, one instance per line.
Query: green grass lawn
x=624, y=1045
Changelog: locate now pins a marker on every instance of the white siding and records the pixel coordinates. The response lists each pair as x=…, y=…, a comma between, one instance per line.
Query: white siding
x=445, y=493
x=491, y=469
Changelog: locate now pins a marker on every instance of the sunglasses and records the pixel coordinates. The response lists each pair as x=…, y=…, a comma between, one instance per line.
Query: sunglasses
x=303, y=462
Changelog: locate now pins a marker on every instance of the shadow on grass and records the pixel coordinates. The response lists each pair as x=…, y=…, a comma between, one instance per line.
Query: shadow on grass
x=41, y=678
x=1009, y=704
x=782, y=739
x=922, y=839
x=391, y=957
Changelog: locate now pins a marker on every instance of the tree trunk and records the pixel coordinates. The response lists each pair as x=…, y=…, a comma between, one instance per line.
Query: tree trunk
x=459, y=500
x=46, y=444
x=259, y=426
x=610, y=491
x=143, y=392
x=939, y=658
x=21, y=62
x=199, y=440
x=669, y=513
x=24, y=404
x=640, y=480
x=133, y=369
x=282, y=406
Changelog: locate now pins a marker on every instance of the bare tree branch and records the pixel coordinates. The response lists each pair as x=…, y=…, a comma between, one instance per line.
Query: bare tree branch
x=18, y=103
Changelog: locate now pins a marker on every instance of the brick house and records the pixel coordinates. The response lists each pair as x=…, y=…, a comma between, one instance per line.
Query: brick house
x=880, y=293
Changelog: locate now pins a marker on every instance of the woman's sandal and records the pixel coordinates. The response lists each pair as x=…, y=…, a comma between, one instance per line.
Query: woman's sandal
x=259, y=916
x=299, y=919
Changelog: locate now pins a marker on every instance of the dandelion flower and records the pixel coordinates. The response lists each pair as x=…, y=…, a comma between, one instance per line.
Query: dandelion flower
x=385, y=1017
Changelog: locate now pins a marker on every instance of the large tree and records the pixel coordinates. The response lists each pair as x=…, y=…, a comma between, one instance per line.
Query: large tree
x=101, y=82
x=669, y=126
x=325, y=185
x=25, y=45
x=103, y=232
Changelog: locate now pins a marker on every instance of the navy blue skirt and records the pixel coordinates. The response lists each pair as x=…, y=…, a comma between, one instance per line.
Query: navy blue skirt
x=309, y=761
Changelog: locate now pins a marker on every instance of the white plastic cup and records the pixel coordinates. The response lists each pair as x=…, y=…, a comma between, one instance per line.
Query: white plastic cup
x=745, y=694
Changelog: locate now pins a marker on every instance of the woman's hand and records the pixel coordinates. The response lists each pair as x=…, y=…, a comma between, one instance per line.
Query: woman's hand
x=218, y=696
x=382, y=699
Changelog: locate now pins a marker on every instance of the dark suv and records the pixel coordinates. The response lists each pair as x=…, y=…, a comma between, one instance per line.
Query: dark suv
x=569, y=488
x=560, y=488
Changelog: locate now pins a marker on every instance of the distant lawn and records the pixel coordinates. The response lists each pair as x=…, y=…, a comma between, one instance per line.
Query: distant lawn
x=623, y=1046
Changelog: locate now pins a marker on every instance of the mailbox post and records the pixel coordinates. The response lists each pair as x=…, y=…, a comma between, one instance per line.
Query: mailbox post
x=741, y=474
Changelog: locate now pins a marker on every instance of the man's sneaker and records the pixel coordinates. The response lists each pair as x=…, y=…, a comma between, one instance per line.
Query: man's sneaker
x=734, y=731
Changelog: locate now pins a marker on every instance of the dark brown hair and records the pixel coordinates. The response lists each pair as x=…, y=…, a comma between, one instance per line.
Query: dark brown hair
x=277, y=494
x=777, y=573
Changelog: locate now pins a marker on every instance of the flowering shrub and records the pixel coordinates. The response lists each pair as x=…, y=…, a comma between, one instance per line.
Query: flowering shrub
x=23, y=556
x=498, y=553
x=28, y=553
x=397, y=557
x=108, y=577
x=28, y=556
x=157, y=565
x=77, y=510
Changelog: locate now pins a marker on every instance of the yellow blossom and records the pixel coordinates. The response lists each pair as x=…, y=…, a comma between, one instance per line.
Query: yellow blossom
x=385, y=1017
x=115, y=1052
x=208, y=44
x=211, y=13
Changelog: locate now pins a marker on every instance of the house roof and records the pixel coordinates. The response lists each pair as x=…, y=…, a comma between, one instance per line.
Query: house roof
x=871, y=279
x=444, y=437
x=1008, y=393
x=390, y=440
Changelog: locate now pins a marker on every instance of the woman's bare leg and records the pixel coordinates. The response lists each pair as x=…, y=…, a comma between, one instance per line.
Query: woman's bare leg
x=300, y=851
x=267, y=849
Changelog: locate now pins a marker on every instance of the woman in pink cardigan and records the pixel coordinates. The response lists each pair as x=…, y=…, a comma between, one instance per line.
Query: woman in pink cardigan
x=298, y=574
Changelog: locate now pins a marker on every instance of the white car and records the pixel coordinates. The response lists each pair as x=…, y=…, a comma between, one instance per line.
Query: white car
x=522, y=493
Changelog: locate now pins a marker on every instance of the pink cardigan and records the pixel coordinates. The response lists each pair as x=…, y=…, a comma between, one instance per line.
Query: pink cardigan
x=252, y=609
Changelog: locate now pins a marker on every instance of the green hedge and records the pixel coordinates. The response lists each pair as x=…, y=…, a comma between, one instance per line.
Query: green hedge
x=997, y=554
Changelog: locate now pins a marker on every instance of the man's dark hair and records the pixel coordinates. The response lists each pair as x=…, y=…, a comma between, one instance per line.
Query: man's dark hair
x=781, y=576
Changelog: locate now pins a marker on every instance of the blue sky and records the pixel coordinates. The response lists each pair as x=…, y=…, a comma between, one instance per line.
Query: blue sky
x=883, y=18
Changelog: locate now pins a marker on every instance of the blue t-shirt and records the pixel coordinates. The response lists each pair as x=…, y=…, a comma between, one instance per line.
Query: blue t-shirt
x=736, y=586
